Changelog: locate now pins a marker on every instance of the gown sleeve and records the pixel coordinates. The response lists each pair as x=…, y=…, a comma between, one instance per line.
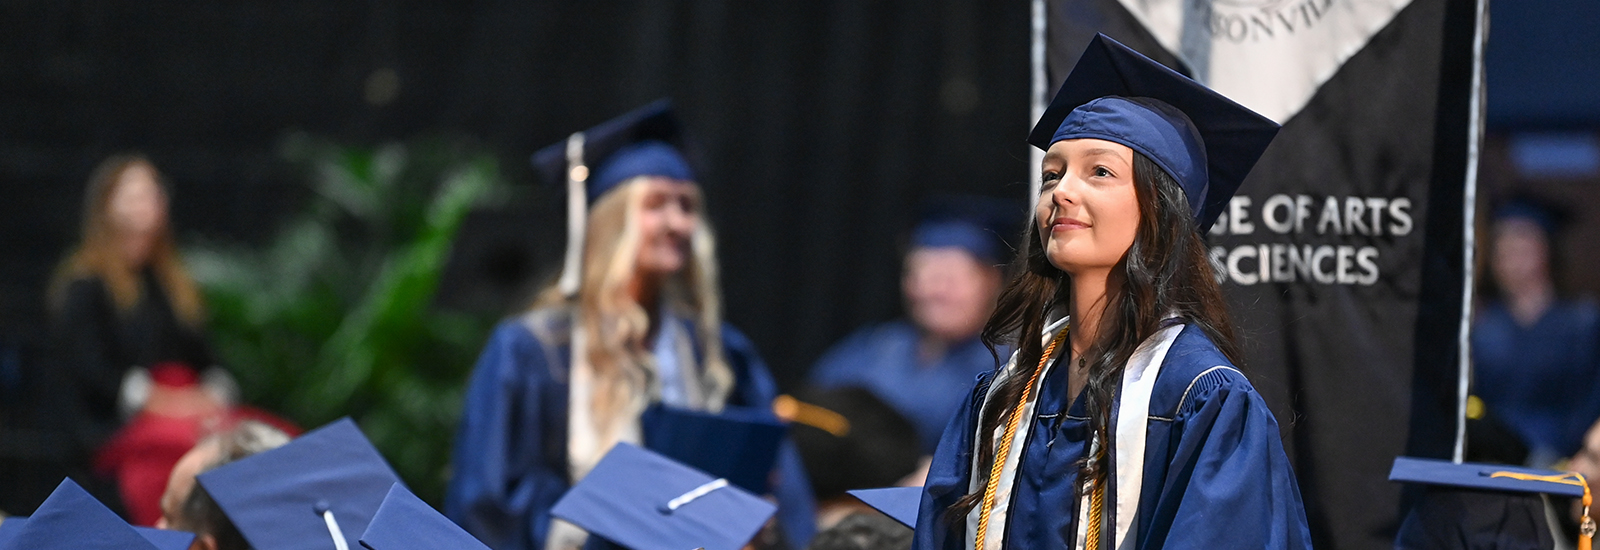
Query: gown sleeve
x=502, y=489
x=796, y=506
x=1229, y=482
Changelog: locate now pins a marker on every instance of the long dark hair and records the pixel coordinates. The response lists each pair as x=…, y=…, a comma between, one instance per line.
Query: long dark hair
x=1165, y=272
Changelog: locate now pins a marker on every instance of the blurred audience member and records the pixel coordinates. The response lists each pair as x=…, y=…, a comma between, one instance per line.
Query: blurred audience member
x=177, y=413
x=1534, y=352
x=864, y=531
x=849, y=439
x=186, y=506
x=924, y=366
x=121, y=300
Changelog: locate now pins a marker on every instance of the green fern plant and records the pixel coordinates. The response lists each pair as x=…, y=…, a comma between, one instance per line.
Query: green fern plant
x=336, y=315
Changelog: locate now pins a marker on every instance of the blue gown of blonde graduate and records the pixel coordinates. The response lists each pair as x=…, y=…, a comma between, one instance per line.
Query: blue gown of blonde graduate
x=510, y=456
x=1213, y=473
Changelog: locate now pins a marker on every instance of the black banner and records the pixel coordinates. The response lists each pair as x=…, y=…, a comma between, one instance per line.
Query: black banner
x=1343, y=252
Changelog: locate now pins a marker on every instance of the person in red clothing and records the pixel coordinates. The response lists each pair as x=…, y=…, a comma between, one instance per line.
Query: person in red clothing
x=177, y=416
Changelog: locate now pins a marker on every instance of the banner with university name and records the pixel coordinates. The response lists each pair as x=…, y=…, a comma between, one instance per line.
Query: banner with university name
x=1343, y=253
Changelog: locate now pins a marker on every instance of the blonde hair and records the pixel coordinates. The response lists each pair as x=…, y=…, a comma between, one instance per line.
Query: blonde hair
x=615, y=351
x=98, y=254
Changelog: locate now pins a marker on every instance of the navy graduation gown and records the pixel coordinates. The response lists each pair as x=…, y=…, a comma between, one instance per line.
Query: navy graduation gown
x=1214, y=475
x=510, y=457
x=1543, y=380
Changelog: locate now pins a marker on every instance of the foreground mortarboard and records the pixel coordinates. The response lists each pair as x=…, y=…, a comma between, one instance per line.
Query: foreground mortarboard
x=740, y=444
x=166, y=539
x=1489, y=477
x=975, y=224
x=643, y=142
x=1483, y=505
x=405, y=522
x=9, y=526
x=645, y=501
x=72, y=519
x=1207, y=142
x=900, y=503
x=163, y=539
x=325, y=484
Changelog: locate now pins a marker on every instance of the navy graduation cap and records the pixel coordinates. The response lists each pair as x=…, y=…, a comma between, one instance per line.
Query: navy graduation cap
x=645, y=501
x=165, y=539
x=9, y=527
x=405, y=522
x=1477, y=503
x=1489, y=477
x=318, y=491
x=899, y=503
x=740, y=444
x=975, y=224
x=643, y=142
x=72, y=519
x=1203, y=140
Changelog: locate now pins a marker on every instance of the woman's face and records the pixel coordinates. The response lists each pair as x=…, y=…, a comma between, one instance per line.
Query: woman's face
x=669, y=213
x=1088, y=212
x=137, y=210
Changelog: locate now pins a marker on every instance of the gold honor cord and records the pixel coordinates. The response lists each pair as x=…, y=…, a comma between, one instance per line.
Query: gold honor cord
x=1586, y=527
x=1005, y=443
x=1097, y=503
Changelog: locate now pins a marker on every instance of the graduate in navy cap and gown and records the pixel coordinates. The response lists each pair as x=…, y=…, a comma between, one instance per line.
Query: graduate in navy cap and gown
x=1121, y=421
x=1534, y=353
x=633, y=326
x=923, y=365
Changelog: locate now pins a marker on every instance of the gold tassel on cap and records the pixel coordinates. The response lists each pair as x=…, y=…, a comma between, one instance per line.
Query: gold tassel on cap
x=1586, y=527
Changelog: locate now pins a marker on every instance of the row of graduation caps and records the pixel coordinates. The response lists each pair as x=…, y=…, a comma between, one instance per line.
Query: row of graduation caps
x=330, y=487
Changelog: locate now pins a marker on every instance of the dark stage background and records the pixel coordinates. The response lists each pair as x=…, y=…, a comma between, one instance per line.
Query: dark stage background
x=820, y=125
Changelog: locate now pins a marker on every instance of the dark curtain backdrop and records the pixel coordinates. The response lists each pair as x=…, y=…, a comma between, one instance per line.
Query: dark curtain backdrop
x=819, y=124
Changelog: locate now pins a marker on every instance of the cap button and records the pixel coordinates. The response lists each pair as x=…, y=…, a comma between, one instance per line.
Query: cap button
x=321, y=507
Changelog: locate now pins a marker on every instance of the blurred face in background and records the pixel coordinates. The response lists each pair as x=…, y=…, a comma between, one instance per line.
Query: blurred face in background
x=668, y=215
x=1521, y=256
x=137, y=211
x=949, y=293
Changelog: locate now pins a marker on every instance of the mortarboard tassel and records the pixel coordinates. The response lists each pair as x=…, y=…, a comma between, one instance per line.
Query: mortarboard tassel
x=577, y=210
x=1586, y=528
x=333, y=526
x=695, y=493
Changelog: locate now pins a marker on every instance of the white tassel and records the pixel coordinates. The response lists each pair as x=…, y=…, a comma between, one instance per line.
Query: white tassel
x=577, y=214
x=696, y=493
x=334, y=531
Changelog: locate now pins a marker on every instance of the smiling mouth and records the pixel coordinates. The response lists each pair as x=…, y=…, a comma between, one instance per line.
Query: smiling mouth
x=1067, y=224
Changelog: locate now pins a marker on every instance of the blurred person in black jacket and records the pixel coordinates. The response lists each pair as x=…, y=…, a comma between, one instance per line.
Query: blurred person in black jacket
x=121, y=301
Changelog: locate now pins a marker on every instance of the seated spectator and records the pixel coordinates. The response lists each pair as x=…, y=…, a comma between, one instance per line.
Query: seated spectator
x=924, y=366
x=177, y=410
x=1534, y=352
